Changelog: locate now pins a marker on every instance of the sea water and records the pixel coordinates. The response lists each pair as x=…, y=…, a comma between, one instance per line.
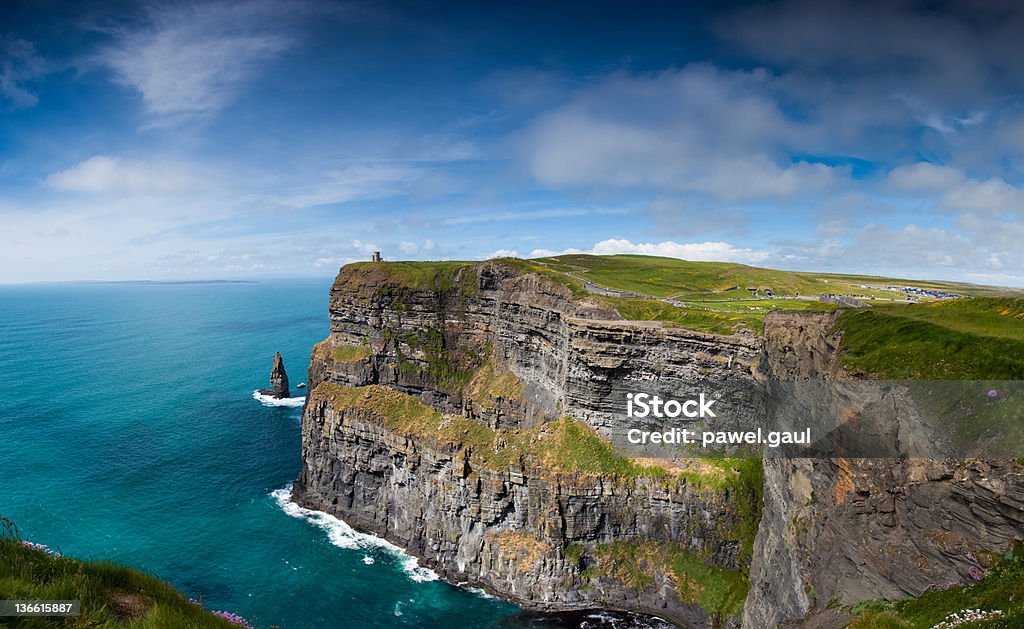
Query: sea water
x=129, y=432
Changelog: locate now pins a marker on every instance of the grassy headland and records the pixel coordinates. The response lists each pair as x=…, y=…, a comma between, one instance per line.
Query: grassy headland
x=110, y=595
x=714, y=297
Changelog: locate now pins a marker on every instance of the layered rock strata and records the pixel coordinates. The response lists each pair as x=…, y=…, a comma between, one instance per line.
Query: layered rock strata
x=492, y=464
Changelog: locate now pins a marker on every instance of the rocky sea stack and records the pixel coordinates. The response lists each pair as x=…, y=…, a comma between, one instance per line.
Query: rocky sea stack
x=278, y=379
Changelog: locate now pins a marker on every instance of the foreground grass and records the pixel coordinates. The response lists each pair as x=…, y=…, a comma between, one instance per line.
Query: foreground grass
x=110, y=595
x=963, y=339
x=1000, y=589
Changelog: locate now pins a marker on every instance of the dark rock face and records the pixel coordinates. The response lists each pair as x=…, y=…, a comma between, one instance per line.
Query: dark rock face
x=851, y=529
x=278, y=379
x=507, y=530
x=510, y=530
x=831, y=530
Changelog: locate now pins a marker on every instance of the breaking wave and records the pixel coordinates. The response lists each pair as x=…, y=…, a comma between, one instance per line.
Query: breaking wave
x=269, y=400
x=482, y=593
x=344, y=536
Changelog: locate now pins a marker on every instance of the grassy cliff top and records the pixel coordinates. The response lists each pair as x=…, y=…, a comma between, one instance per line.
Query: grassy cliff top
x=963, y=339
x=441, y=276
x=912, y=329
x=110, y=595
x=659, y=278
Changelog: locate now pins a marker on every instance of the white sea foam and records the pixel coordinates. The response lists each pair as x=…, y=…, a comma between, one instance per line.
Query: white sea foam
x=482, y=593
x=344, y=536
x=269, y=400
x=368, y=560
x=597, y=620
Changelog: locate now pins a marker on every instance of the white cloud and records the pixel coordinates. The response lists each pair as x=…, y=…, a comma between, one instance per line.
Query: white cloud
x=956, y=191
x=698, y=129
x=758, y=178
x=503, y=253
x=102, y=174
x=531, y=215
x=923, y=176
x=408, y=248
x=696, y=251
x=19, y=64
x=355, y=250
x=358, y=181
x=193, y=58
x=991, y=195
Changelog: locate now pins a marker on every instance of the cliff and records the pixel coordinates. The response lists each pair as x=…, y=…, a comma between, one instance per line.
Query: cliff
x=839, y=531
x=465, y=412
x=506, y=478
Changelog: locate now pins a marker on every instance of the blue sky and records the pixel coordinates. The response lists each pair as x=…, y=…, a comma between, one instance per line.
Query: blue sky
x=273, y=138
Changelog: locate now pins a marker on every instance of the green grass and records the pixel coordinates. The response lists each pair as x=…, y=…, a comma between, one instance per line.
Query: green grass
x=665, y=277
x=111, y=596
x=441, y=276
x=695, y=319
x=490, y=385
x=759, y=306
x=715, y=292
x=531, y=266
x=437, y=276
x=719, y=592
x=964, y=339
x=1001, y=588
x=350, y=353
x=562, y=446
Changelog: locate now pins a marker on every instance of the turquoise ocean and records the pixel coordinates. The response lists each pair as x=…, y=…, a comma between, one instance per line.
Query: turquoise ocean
x=129, y=432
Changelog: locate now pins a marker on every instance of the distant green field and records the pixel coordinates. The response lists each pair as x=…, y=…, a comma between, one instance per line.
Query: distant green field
x=964, y=339
x=667, y=277
x=700, y=320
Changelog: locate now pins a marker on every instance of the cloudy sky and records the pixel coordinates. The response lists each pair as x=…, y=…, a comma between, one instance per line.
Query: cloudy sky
x=276, y=138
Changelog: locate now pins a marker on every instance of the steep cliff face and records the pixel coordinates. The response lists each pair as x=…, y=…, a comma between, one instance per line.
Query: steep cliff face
x=532, y=529
x=463, y=411
x=526, y=499
x=850, y=529
x=429, y=337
